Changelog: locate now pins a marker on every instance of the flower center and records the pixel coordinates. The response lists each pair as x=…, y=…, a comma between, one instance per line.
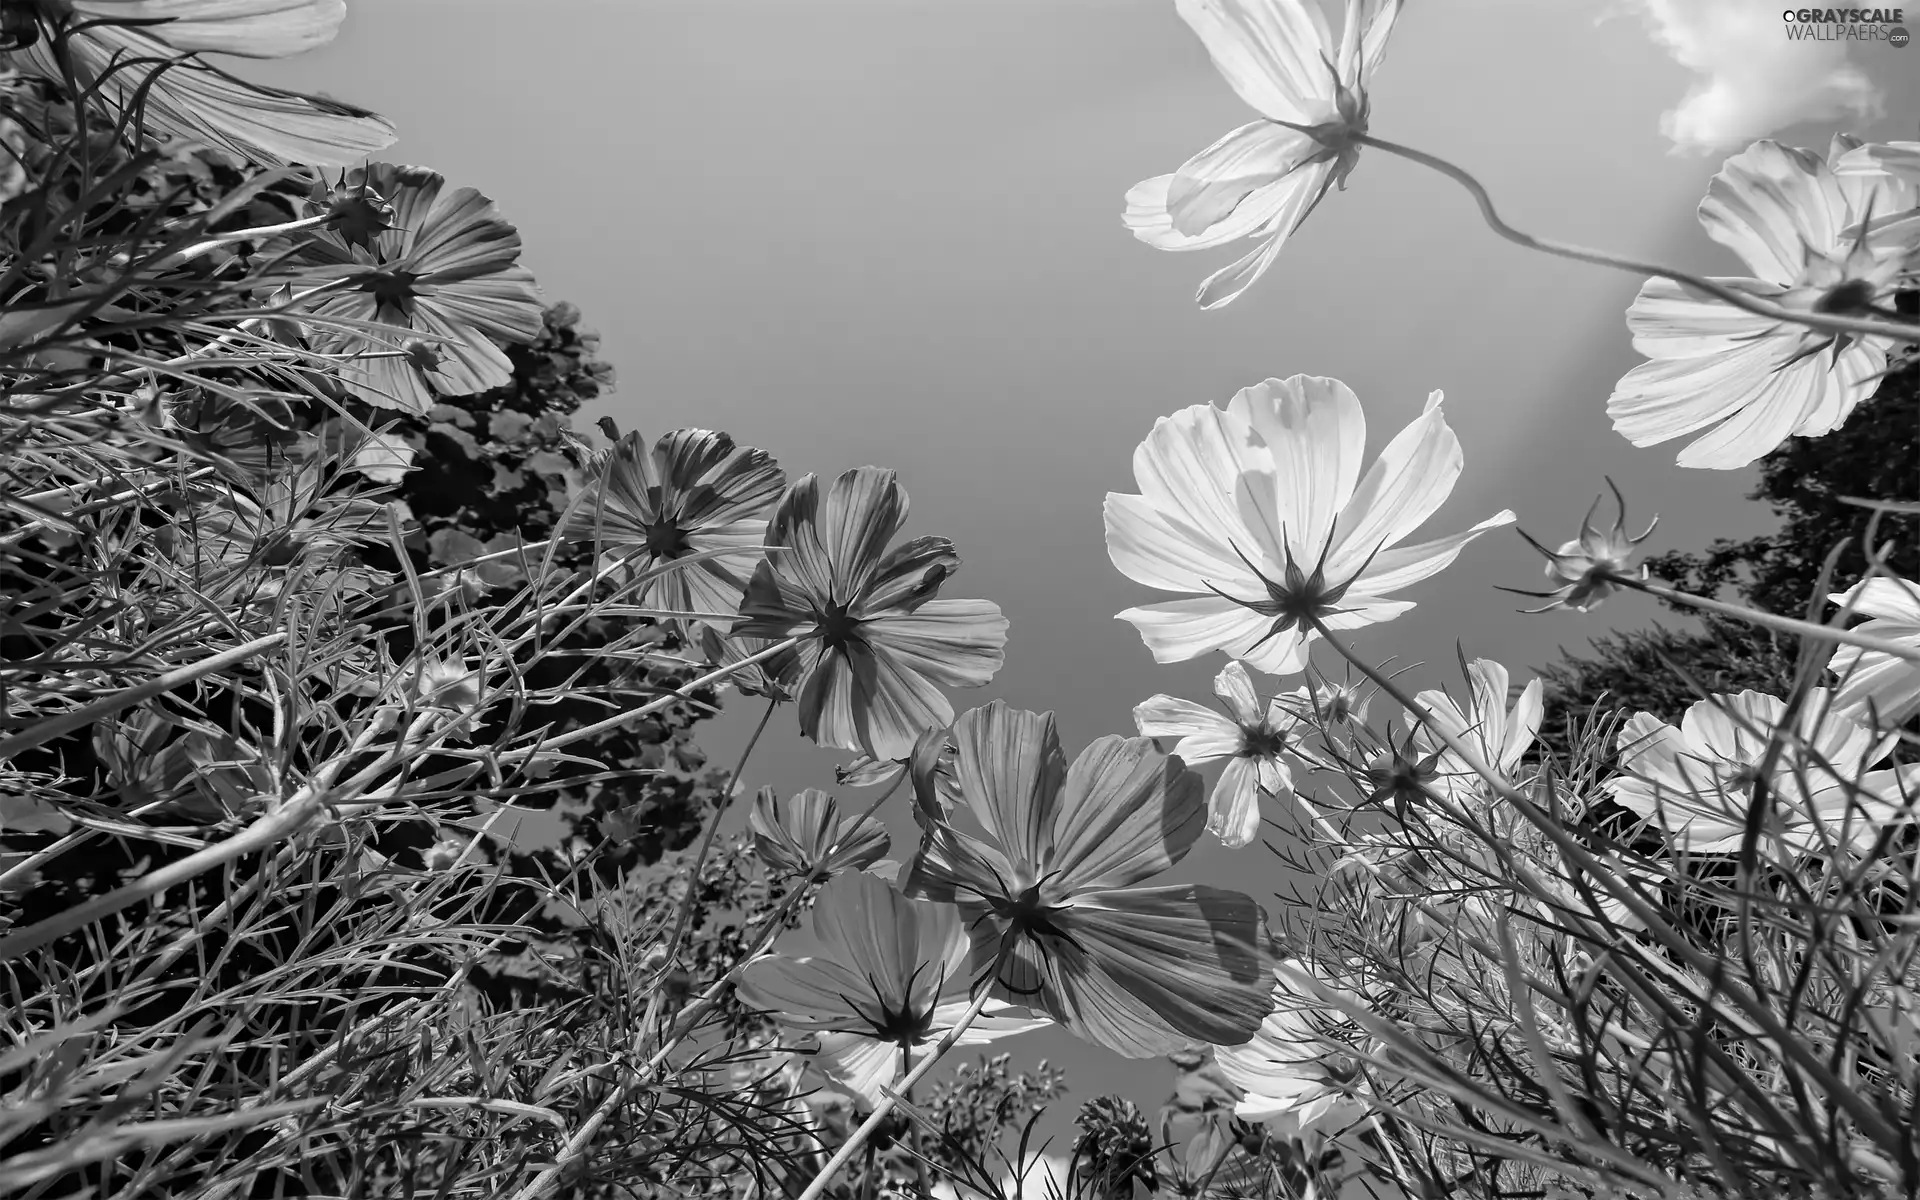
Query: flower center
x=838, y=628
x=903, y=1028
x=665, y=539
x=1029, y=913
x=1847, y=296
x=390, y=287
x=1262, y=742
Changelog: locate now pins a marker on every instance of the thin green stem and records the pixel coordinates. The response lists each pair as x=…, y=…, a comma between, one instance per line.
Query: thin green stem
x=1824, y=322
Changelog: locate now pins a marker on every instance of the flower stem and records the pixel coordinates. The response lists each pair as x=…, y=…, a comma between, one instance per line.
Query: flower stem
x=45, y=731
x=689, y=1018
x=651, y=706
x=1766, y=620
x=700, y=856
x=890, y=1096
x=1791, y=1045
x=1824, y=322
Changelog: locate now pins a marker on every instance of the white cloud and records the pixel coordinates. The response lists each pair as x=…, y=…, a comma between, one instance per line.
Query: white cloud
x=1757, y=79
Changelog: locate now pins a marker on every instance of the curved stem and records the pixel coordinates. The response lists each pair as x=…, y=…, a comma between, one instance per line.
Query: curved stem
x=891, y=1096
x=1824, y=322
x=1767, y=620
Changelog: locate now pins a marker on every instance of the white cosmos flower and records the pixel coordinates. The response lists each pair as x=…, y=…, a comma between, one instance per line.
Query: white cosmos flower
x=1260, y=509
x=1298, y=1071
x=1498, y=734
x=1873, y=681
x=1752, y=382
x=1261, y=180
x=890, y=978
x=1254, y=741
x=1697, y=781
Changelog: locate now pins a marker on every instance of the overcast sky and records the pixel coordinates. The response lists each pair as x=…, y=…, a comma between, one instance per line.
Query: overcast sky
x=888, y=232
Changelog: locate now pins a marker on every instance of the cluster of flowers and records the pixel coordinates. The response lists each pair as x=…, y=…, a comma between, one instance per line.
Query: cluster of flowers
x=1031, y=897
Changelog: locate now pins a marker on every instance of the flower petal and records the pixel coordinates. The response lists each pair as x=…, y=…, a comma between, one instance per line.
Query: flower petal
x=1235, y=688
x=1126, y=812
x=1010, y=768
x=1771, y=202
x=1204, y=734
x=1147, y=217
x=1272, y=52
x=1316, y=434
x=1233, y=810
x=197, y=102
x=250, y=28
x=1193, y=956
x=1412, y=477
x=1211, y=186
x=1178, y=630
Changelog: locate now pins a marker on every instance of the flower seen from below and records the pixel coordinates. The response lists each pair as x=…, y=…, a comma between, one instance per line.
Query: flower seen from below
x=876, y=645
x=1261, y=508
x=446, y=277
x=1697, y=782
x=1814, y=242
x=1049, y=873
x=1298, y=1072
x=807, y=835
x=692, y=492
x=157, y=69
x=1260, y=182
x=889, y=978
x=1255, y=743
x=1586, y=570
x=1500, y=735
x=1875, y=685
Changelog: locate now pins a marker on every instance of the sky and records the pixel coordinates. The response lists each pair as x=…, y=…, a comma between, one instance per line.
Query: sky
x=888, y=232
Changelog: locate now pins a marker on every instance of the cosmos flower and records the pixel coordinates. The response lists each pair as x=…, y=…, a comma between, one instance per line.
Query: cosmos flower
x=187, y=99
x=876, y=644
x=1874, y=683
x=890, y=976
x=1261, y=180
x=807, y=835
x=1297, y=1072
x=446, y=269
x=1047, y=872
x=1750, y=381
x=1697, y=781
x=1261, y=506
x=693, y=492
x=1584, y=571
x=1255, y=743
x=1340, y=703
x=1498, y=734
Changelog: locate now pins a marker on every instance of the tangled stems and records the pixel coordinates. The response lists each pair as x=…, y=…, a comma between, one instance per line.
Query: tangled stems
x=1865, y=1116
x=689, y=1018
x=1766, y=620
x=700, y=857
x=1824, y=322
x=651, y=706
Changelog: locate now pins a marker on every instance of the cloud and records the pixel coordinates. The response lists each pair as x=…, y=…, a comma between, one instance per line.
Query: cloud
x=1757, y=79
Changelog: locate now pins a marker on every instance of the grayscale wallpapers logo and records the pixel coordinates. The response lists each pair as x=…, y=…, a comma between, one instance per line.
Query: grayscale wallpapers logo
x=1847, y=25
